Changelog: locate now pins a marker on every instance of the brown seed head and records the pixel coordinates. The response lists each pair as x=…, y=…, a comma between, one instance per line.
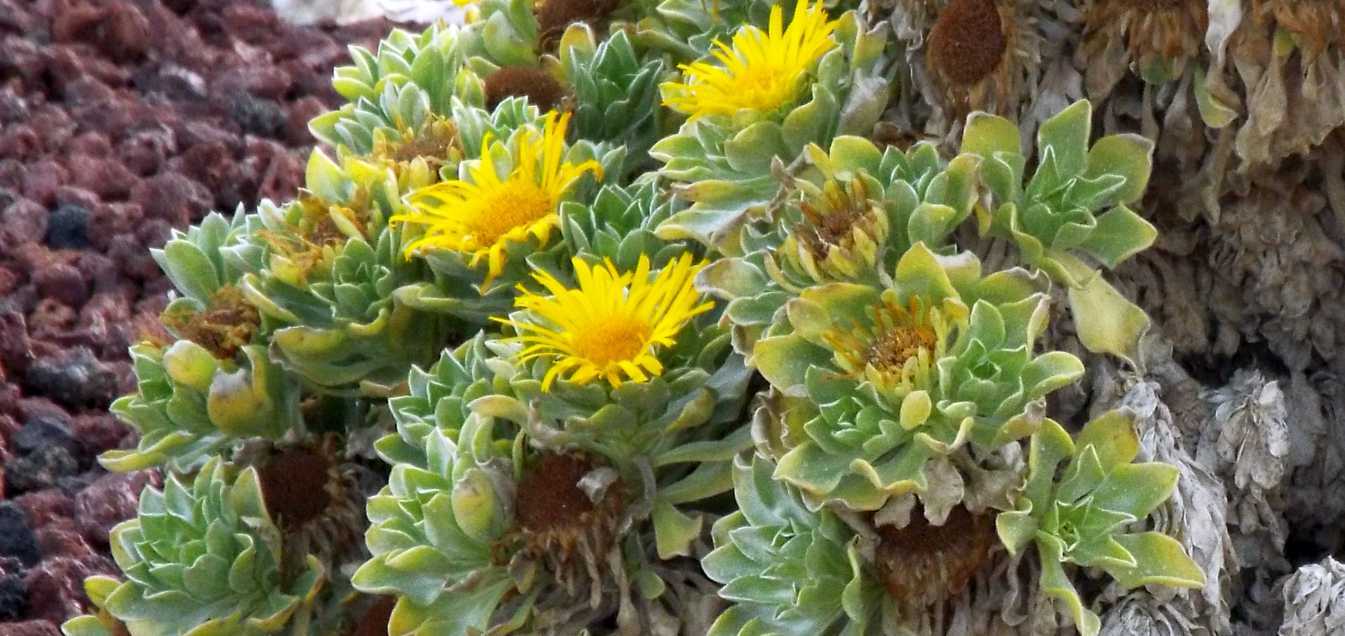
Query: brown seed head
x=554, y=15
x=541, y=89
x=923, y=564
x=294, y=484
x=967, y=42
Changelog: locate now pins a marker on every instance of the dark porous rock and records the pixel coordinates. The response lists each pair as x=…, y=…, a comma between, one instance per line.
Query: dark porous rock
x=108, y=501
x=56, y=586
x=41, y=431
x=40, y=470
x=16, y=536
x=67, y=227
x=173, y=198
x=13, y=597
x=87, y=91
x=13, y=106
x=62, y=282
x=30, y=628
x=170, y=80
x=74, y=378
x=257, y=116
x=22, y=221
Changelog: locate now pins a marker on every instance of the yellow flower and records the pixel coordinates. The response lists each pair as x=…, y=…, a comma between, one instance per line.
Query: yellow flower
x=761, y=72
x=611, y=326
x=483, y=214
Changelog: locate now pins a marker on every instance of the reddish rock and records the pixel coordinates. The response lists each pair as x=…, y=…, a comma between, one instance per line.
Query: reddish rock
x=20, y=141
x=108, y=501
x=131, y=258
x=172, y=198
x=98, y=432
x=90, y=143
x=42, y=181
x=72, y=195
x=61, y=538
x=145, y=150
x=45, y=507
x=301, y=111
x=30, y=628
x=50, y=317
x=9, y=280
x=63, y=283
x=56, y=586
x=23, y=221
x=106, y=178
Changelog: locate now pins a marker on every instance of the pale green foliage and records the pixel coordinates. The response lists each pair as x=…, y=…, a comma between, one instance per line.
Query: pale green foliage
x=203, y=560
x=861, y=428
x=1074, y=209
x=1086, y=511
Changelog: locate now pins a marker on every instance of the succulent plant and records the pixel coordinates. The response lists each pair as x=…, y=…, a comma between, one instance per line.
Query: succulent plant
x=203, y=559
x=1056, y=219
x=721, y=159
x=615, y=92
x=208, y=307
x=1084, y=511
x=324, y=272
x=785, y=568
x=478, y=256
x=439, y=399
x=190, y=405
x=856, y=211
x=415, y=76
x=570, y=468
x=431, y=535
x=882, y=380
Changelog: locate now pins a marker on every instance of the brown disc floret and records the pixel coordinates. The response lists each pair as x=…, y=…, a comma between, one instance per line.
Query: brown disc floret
x=923, y=564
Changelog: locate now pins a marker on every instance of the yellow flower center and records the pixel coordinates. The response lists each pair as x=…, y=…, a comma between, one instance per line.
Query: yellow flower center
x=612, y=326
x=518, y=203
x=613, y=338
x=760, y=72
x=895, y=348
x=482, y=215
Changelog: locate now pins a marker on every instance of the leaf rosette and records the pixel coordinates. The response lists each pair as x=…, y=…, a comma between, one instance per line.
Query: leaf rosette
x=1078, y=505
x=203, y=560
x=856, y=209
x=1057, y=219
x=881, y=380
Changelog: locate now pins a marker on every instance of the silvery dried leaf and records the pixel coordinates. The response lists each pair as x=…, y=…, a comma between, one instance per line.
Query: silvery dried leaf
x=1314, y=600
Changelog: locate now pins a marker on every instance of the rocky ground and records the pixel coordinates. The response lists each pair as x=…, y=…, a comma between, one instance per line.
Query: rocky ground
x=120, y=120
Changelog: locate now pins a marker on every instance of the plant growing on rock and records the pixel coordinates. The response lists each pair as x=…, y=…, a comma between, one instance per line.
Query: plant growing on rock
x=200, y=559
x=643, y=320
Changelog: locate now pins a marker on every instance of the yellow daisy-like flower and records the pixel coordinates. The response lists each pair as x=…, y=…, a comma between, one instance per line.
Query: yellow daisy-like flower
x=760, y=72
x=483, y=214
x=611, y=326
